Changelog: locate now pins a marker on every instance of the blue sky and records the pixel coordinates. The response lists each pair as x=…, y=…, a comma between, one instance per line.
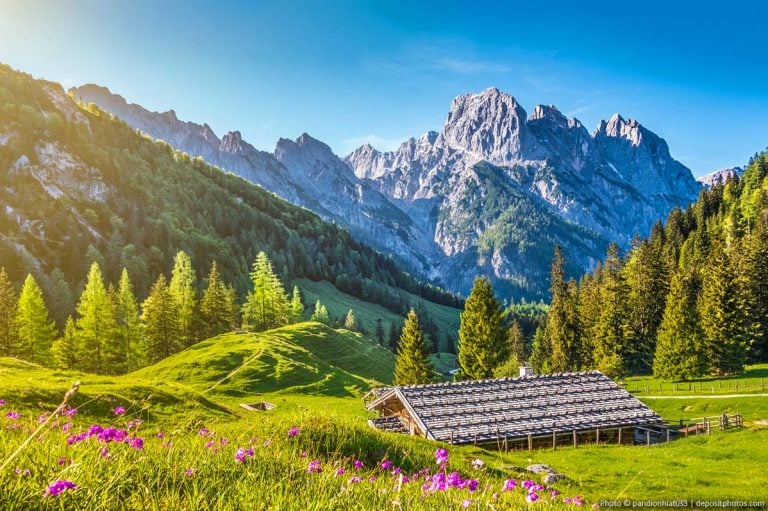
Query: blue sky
x=353, y=72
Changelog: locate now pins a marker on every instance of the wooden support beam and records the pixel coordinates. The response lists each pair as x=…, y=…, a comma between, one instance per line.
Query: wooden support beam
x=597, y=436
x=620, y=435
x=648, y=438
x=667, y=435
x=554, y=440
x=530, y=442
x=574, y=438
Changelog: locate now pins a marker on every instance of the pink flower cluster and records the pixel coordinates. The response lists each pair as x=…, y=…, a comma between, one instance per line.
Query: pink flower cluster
x=242, y=455
x=107, y=435
x=58, y=487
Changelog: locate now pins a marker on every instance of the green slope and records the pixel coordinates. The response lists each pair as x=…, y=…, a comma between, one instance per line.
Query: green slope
x=306, y=358
x=36, y=387
x=338, y=303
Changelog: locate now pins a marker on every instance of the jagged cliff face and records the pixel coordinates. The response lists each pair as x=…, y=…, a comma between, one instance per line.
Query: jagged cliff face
x=492, y=192
x=719, y=176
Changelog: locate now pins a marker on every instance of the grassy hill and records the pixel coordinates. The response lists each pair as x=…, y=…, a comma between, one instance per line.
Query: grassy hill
x=338, y=303
x=306, y=358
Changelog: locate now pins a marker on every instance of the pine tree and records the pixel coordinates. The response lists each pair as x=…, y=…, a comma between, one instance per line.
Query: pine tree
x=59, y=296
x=723, y=315
x=96, y=325
x=648, y=285
x=9, y=332
x=36, y=329
x=297, y=306
x=754, y=274
x=394, y=337
x=184, y=293
x=412, y=365
x=129, y=328
x=379, y=332
x=609, y=338
x=589, y=314
x=217, y=307
x=562, y=330
x=161, y=323
x=320, y=314
x=65, y=350
x=267, y=305
x=350, y=321
x=679, y=351
x=482, y=336
x=541, y=353
x=516, y=341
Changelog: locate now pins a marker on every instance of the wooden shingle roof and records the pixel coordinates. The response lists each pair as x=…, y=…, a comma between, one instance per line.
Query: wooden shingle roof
x=486, y=410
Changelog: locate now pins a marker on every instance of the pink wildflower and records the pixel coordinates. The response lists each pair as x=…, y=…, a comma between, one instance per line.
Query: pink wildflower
x=386, y=465
x=339, y=472
x=441, y=456
x=357, y=464
x=466, y=503
x=58, y=487
x=189, y=472
x=293, y=431
x=314, y=467
x=509, y=485
x=136, y=443
x=355, y=479
x=531, y=497
x=13, y=415
x=118, y=410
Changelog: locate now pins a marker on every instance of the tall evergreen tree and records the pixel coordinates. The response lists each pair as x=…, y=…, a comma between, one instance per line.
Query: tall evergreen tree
x=267, y=305
x=161, y=323
x=648, y=285
x=350, y=321
x=184, y=293
x=541, y=354
x=297, y=306
x=516, y=342
x=65, y=350
x=754, y=274
x=59, y=295
x=723, y=315
x=394, y=336
x=679, y=351
x=96, y=325
x=563, y=331
x=379, y=333
x=130, y=333
x=9, y=332
x=482, y=336
x=320, y=314
x=609, y=343
x=36, y=329
x=412, y=365
x=217, y=306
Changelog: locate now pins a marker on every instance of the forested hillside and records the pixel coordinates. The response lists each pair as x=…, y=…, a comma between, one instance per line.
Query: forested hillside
x=690, y=300
x=78, y=186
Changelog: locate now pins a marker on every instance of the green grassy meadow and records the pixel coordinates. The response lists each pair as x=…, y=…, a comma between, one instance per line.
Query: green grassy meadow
x=316, y=376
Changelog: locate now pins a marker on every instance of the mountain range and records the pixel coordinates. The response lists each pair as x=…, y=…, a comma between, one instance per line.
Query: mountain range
x=492, y=192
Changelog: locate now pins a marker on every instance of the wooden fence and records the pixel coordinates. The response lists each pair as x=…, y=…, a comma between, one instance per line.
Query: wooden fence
x=694, y=388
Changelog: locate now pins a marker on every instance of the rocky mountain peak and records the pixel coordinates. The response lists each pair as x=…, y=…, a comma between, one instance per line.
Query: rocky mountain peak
x=232, y=142
x=618, y=127
x=549, y=112
x=491, y=124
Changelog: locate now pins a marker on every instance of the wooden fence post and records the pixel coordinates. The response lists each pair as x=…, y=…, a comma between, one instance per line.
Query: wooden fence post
x=708, y=427
x=648, y=438
x=554, y=440
x=667, y=435
x=574, y=438
x=620, y=435
x=597, y=436
x=530, y=443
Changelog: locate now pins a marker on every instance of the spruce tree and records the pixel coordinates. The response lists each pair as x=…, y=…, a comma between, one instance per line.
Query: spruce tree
x=609, y=339
x=394, y=337
x=648, y=285
x=36, y=329
x=96, y=325
x=412, y=365
x=129, y=328
x=161, y=323
x=9, y=332
x=679, y=351
x=541, y=353
x=350, y=321
x=267, y=305
x=723, y=315
x=184, y=293
x=516, y=342
x=297, y=306
x=217, y=307
x=482, y=336
x=562, y=330
x=379, y=332
x=754, y=275
x=321, y=314
x=65, y=350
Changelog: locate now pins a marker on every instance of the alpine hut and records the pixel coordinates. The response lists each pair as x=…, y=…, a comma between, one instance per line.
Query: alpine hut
x=539, y=410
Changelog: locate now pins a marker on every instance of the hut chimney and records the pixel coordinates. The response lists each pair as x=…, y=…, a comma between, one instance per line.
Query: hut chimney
x=526, y=371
